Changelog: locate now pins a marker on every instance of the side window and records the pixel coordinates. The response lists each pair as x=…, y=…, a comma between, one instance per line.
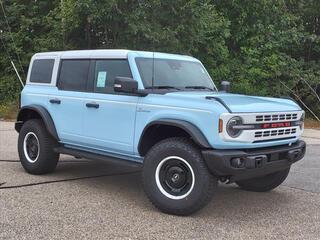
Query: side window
x=41, y=71
x=106, y=71
x=73, y=75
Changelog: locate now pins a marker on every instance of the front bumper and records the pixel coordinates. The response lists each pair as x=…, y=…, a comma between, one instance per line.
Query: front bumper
x=244, y=164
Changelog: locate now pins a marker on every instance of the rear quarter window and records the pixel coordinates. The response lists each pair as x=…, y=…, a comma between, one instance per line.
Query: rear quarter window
x=41, y=71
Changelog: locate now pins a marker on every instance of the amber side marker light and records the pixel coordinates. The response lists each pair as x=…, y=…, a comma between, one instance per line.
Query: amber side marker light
x=220, y=125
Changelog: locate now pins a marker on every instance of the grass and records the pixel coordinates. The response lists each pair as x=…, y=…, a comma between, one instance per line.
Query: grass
x=9, y=112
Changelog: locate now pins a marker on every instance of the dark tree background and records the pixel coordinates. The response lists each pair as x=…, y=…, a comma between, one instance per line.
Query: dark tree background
x=264, y=47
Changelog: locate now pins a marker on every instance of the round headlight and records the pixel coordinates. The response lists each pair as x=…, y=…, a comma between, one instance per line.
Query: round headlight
x=231, y=130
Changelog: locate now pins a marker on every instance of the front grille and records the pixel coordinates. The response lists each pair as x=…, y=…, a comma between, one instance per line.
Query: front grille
x=276, y=117
x=278, y=132
x=266, y=126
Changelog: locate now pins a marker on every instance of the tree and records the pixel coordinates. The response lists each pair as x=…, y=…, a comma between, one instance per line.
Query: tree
x=264, y=47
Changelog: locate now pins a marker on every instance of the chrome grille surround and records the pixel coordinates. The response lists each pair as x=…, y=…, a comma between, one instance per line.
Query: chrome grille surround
x=254, y=135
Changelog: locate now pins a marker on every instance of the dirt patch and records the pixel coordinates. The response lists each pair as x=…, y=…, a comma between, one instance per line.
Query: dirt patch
x=311, y=123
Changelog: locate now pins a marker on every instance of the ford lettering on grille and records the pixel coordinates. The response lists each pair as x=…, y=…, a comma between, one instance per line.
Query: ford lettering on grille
x=276, y=125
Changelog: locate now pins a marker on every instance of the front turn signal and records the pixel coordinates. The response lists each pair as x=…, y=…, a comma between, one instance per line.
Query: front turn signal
x=220, y=125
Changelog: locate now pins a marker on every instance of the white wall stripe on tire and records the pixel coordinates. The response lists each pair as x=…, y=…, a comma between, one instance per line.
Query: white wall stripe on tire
x=162, y=190
x=25, y=147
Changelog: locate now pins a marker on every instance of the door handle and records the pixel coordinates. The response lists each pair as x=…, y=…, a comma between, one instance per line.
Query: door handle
x=92, y=105
x=55, y=101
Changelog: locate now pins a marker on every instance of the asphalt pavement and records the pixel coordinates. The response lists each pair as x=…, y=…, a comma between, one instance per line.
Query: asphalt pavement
x=85, y=199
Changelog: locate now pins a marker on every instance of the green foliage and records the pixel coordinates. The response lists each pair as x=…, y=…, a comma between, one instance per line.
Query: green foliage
x=258, y=45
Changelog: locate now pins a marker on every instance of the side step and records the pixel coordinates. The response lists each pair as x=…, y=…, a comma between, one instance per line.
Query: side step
x=95, y=156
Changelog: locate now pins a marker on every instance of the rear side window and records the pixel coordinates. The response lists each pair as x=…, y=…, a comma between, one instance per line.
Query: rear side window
x=73, y=75
x=106, y=71
x=41, y=71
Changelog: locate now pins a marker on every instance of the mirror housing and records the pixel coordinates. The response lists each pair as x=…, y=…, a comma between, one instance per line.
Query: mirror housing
x=125, y=85
x=225, y=86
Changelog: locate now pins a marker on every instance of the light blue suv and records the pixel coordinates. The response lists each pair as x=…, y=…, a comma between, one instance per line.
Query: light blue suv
x=161, y=112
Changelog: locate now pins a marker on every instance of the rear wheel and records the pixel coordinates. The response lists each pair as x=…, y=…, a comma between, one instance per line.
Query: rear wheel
x=175, y=177
x=36, y=148
x=265, y=183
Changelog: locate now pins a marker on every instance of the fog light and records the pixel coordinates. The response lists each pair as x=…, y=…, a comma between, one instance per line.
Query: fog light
x=237, y=162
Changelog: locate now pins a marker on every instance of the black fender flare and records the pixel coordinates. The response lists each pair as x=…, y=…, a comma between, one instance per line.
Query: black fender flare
x=42, y=112
x=188, y=127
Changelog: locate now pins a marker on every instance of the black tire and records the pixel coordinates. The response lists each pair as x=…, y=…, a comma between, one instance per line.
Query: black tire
x=190, y=199
x=265, y=183
x=39, y=161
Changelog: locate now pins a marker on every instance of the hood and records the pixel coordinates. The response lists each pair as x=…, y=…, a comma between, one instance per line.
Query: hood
x=242, y=103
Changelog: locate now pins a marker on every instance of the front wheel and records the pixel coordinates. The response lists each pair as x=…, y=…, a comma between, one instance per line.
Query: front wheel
x=175, y=177
x=265, y=183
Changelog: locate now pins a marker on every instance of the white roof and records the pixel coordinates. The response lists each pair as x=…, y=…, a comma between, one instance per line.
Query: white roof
x=108, y=53
x=116, y=53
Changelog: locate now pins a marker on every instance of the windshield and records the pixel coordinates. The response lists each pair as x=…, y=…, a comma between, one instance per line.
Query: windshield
x=177, y=74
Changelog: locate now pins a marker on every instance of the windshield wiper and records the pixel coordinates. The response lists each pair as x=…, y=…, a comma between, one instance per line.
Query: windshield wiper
x=200, y=87
x=162, y=87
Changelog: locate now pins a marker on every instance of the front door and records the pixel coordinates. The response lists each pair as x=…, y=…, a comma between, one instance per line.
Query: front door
x=109, y=119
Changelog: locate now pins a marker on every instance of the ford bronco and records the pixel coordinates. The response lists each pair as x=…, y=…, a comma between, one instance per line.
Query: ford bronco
x=161, y=112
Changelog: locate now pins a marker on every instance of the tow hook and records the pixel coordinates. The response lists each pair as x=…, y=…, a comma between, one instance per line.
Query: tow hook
x=294, y=155
x=249, y=162
x=256, y=161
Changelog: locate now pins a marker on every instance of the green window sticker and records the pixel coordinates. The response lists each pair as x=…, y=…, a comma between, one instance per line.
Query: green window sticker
x=101, y=80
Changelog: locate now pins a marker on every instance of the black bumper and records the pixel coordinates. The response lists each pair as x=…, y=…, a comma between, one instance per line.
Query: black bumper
x=244, y=164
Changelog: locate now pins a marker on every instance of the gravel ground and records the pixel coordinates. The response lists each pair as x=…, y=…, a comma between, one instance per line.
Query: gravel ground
x=86, y=199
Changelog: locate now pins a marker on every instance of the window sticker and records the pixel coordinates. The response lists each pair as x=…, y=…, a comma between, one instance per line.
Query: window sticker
x=101, y=80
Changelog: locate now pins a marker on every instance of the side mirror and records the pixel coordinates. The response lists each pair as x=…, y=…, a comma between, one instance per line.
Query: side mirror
x=225, y=86
x=125, y=85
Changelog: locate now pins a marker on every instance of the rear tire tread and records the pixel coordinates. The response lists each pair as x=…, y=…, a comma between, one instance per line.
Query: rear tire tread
x=48, y=159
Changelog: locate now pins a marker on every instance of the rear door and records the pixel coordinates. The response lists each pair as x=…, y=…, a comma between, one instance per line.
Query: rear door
x=109, y=117
x=66, y=103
